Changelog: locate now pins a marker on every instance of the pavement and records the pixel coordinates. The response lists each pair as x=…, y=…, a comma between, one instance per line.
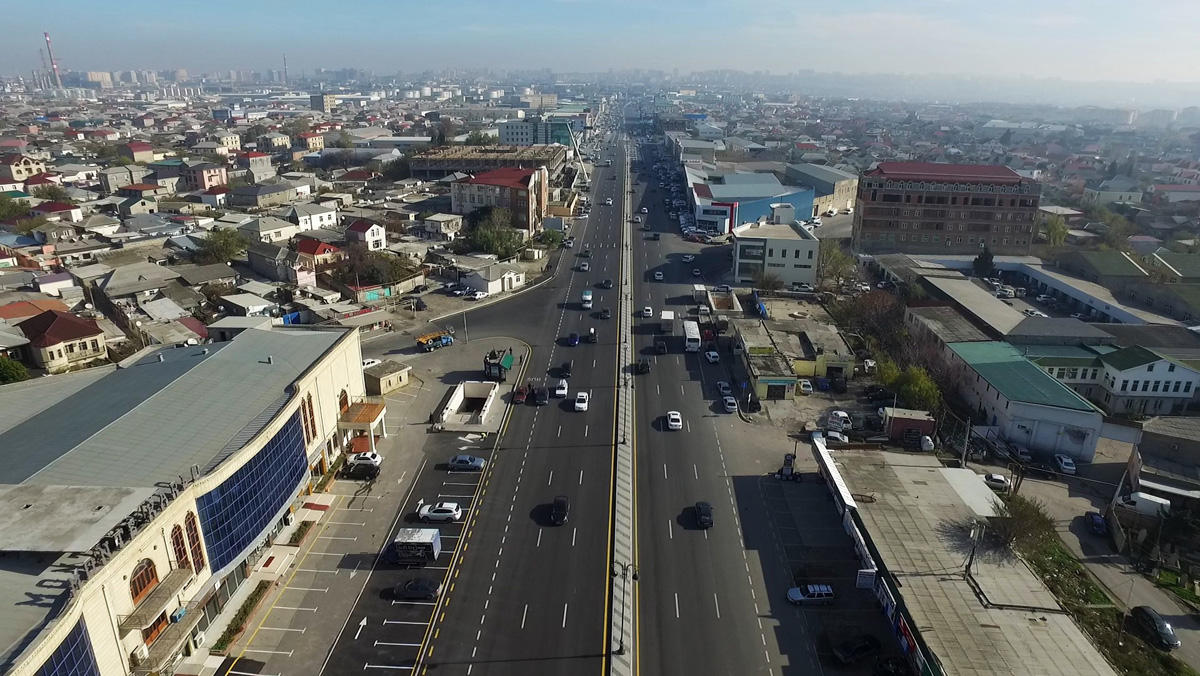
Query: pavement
x=330, y=610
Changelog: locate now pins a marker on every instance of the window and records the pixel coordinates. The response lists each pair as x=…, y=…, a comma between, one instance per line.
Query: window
x=796, y=253
x=143, y=579
x=193, y=533
x=783, y=253
x=149, y=634
x=1177, y=384
x=1187, y=386
x=95, y=344
x=70, y=348
x=1072, y=373
x=810, y=254
x=1156, y=384
x=770, y=253
x=179, y=547
x=343, y=401
x=1149, y=368
x=1134, y=389
x=1170, y=368
x=1145, y=385
x=72, y=657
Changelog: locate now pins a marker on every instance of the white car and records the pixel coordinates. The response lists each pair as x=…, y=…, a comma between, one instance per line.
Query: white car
x=645, y=210
x=647, y=312
x=368, y=458
x=674, y=420
x=368, y=363
x=480, y=295
x=840, y=420
x=806, y=386
x=581, y=401
x=446, y=512
x=712, y=357
x=730, y=404
x=816, y=222
x=658, y=276
x=996, y=482
x=585, y=266
x=560, y=390
x=688, y=258
x=1065, y=464
x=608, y=201
x=1044, y=298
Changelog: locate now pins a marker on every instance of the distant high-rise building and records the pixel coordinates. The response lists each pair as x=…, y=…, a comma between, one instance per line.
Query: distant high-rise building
x=926, y=207
x=102, y=79
x=180, y=75
x=322, y=102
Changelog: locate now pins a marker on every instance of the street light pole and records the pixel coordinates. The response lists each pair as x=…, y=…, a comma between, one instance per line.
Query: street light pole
x=625, y=570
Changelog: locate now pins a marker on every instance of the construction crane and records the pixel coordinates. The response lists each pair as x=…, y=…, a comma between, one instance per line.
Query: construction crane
x=53, y=62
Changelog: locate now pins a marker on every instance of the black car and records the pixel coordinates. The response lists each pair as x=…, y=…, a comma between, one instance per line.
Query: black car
x=605, y=313
x=566, y=369
x=586, y=253
x=660, y=346
x=643, y=366
x=1154, y=627
x=541, y=396
x=418, y=589
x=560, y=509
x=606, y=284
x=360, y=471
x=856, y=648
x=704, y=515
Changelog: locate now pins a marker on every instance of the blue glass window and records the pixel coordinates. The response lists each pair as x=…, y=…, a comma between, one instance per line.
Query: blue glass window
x=73, y=657
x=232, y=515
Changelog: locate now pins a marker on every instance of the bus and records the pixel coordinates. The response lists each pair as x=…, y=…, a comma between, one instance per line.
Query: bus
x=691, y=336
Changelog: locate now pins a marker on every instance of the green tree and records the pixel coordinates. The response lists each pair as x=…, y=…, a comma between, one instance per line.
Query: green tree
x=251, y=134
x=54, y=193
x=478, y=138
x=833, y=263
x=1056, y=230
x=1023, y=524
x=768, y=281
x=12, y=371
x=222, y=246
x=361, y=267
x=500, y=240
x=26, y=225
x=983, y=264
x=886, y=370
x=551, y=238
x=918, y=390
x=342, y=141
x=11, y=209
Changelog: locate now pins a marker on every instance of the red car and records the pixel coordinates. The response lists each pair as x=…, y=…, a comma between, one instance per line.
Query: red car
x=520, y=394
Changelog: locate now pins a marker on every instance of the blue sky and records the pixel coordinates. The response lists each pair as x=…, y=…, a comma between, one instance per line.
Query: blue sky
x=1072, y=39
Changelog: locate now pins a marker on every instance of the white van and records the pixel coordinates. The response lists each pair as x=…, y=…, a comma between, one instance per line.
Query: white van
x=1144, y=503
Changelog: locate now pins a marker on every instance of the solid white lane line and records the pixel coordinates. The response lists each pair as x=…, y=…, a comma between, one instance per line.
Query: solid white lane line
x=585, y=430
x=559, y=431
x=664, y=471
x=284, y=629
x=306, y=589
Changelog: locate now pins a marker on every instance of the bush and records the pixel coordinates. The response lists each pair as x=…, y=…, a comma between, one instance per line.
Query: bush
x=237, y=624
x=300, y=533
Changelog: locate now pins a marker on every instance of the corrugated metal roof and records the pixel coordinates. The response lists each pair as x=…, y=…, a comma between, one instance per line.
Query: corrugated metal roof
x=1017, y=378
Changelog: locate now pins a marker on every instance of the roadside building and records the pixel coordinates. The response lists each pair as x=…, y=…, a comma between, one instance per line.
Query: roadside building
x=134, y=552
x=1023, y=403
x=925, y=207
x=496, y=278
x=1119, y=189
x=524, y=192
x=780, y=248
x=834, y=190
x=60, y=341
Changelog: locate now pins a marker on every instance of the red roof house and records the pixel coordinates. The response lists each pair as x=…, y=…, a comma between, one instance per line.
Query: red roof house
x=54, y=327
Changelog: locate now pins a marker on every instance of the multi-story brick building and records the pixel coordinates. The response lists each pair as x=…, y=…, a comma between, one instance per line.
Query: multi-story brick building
x=524, y=192
x=924, y=207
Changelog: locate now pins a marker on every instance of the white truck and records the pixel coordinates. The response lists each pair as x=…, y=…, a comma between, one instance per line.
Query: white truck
x=416, y=546
x=1144, y=503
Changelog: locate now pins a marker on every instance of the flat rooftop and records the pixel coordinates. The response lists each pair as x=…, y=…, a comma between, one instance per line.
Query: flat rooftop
x=758, y=230
x=916, y=518
x=982, y=303
x=508, y=153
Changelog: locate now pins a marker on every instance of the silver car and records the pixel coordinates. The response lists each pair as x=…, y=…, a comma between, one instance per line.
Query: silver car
x=466, y=463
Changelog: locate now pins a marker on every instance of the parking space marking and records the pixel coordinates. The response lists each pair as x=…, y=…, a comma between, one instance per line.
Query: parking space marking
x=368, y=665
x=670, y=530
x=523, y=614
x=306, y=589
x=550, y=478
x=299, y=631
x=346, y=523
x=407, y=645
x=307, y=610
x=270, y=652
x=423, y=624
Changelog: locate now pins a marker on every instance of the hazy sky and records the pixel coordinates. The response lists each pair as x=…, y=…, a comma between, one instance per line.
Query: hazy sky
x=1072, y=39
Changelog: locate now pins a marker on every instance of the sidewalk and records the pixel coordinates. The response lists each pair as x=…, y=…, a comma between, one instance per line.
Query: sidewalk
x=1067, y=503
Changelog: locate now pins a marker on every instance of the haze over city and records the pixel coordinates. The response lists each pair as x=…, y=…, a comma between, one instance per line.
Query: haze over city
x=1069, y=52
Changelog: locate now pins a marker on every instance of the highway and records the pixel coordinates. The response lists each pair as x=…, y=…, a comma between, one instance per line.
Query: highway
x=528, y=596
x=698, y=604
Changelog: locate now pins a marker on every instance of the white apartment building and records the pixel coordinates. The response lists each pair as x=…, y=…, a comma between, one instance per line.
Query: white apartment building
x=781, y=247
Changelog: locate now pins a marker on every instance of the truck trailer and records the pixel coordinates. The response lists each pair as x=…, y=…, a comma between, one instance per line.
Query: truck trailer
x=415, y=547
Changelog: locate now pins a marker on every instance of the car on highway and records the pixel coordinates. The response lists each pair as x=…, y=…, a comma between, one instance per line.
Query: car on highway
x=573, y=339
x=586, y=253
x=643, y=366
x=647, y=312
x=560, y=510
x=724, y=388
x=729, y=403
x=1064, y=464
x=606, y=284
x=369, y=458
x=521, y=394
x=645, y=210
x=443, y=512
x=581, y=401
x=997, y=482
x=658, y=276
x=466, y=463
x=856, y=648
x=608, y=201
x=605, y=313
x=704, y=515
x=712, y=357
x=696, y=272
x=560, y=390
x=541, y=396
x=585, y=266
x=806, y=386
x=417, y=589
x=674, y=420
x=368, y=363
x=688, y=258
x=811, y=595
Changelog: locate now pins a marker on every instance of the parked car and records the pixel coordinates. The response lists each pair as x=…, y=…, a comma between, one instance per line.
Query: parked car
x=997, y=482
x=368, y=458
x=479, y=295
x=647, y=312
x=1096, y=523
x=444, y=512
x=658, y=276
x=724, y=388
x=811, y=594
x=1154, y=627
x=643, y=366
x=856, y=648
x=418, y=589
x=730, y=404
x=806, y=386
x=1064, y=463
x=466, y=463
x=360, y=472
x=368, y=363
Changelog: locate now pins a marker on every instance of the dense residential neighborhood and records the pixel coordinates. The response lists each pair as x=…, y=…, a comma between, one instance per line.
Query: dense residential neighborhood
x=261, y=335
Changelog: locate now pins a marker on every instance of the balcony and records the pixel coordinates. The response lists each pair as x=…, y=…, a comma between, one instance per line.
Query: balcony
x=171, y=640
x=156, y=601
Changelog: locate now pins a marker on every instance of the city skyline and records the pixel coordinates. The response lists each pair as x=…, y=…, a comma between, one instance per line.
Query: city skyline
x=1073, y=40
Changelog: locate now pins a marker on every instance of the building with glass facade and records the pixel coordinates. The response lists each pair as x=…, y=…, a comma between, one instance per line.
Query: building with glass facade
x=142, y=495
